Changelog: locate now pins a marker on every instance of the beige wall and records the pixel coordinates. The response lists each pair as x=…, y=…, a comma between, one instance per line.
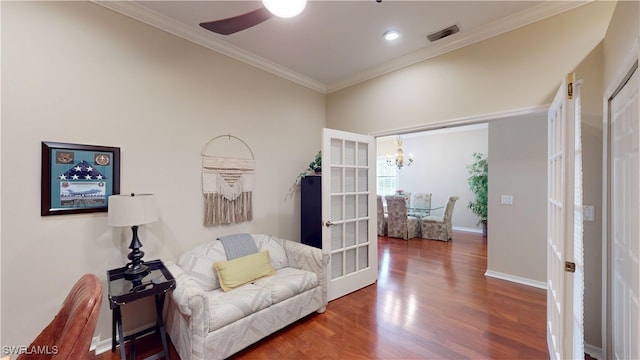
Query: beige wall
x=621, y=35
x=592, y=233
x=590, y=72
x=515, y=70
x=79, y=73
x=518, y=167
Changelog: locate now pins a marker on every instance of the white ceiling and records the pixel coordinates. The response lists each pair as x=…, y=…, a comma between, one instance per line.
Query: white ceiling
x=335, y=44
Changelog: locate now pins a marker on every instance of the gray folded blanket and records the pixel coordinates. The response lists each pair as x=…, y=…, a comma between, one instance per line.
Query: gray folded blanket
x=238, y=245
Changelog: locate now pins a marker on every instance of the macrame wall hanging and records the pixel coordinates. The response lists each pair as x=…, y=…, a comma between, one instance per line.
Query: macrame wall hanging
x=227, y=185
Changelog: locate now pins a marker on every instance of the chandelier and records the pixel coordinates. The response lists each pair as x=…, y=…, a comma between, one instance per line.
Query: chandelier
x=399, y=160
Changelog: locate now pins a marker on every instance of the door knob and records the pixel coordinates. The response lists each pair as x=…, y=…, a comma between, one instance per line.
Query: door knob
x=328, y=223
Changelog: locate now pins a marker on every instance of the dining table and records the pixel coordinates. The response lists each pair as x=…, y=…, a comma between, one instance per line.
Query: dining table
x=421, y=212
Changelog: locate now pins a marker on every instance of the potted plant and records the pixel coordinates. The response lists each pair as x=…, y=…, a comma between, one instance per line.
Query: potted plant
x=316, y=164
x=315, y=167
x=479, y=186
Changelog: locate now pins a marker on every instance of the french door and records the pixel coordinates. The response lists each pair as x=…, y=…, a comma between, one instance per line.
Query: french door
x=349, y=211
x=625, y=228
x=565, y=266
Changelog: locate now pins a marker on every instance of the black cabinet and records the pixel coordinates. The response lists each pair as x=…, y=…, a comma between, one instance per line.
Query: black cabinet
x=311, y=211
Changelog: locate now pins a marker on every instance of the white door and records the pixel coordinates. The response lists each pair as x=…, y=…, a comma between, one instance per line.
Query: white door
x=565, y=286
x=349, y=211
x=625, y=240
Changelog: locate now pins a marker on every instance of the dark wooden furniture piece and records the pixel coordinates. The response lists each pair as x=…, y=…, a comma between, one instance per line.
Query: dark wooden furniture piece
x=122, y=291
x=311, y=211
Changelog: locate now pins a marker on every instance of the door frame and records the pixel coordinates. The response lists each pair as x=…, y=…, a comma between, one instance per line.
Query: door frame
x=628, y=65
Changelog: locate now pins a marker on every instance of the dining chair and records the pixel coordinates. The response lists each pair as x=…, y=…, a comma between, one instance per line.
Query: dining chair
x=69, y=334
x=382, y=218
x=421, y=201
x=439, y=227
x=407, y=198
x=399, y=223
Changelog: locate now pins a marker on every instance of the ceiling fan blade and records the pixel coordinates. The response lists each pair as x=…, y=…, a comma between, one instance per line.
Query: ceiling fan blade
x=238, y=23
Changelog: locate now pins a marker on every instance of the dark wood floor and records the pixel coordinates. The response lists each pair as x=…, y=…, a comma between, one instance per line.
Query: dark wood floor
x=431, y=301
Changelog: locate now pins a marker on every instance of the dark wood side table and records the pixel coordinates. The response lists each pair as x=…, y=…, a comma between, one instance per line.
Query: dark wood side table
x=122, y=291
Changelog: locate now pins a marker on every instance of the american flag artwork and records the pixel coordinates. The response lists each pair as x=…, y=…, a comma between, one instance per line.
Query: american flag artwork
x=82, y=185
x=82, y=171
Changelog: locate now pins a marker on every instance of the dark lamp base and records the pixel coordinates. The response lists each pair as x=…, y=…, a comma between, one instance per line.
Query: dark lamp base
x=136, y=269
x=136, y=272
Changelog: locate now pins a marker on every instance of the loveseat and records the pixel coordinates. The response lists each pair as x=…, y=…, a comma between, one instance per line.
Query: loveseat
x=206, y=322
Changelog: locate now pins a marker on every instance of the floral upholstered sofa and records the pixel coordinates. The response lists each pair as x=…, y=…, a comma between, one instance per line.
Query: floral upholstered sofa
x=206, y=322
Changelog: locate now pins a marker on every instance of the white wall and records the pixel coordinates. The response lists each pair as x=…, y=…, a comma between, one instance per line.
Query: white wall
x=440, y=167
x=76, y=72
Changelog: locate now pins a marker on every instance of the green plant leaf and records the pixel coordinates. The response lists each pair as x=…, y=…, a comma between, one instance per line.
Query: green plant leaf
x=479, y=185
x=314, y=165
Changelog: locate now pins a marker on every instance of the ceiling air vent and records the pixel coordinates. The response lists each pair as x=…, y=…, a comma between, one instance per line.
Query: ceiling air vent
x=443, y=33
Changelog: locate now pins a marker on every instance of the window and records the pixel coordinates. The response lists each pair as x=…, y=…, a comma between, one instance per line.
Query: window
x=386, y=177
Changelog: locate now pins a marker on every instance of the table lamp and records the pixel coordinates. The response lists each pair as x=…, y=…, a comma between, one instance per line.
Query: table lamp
x=133, y=210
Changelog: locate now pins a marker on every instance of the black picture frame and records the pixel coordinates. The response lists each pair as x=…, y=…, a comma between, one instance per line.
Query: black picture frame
x=78, y=178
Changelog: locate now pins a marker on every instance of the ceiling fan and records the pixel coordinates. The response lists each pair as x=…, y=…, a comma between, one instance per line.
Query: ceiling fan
x=280, y=8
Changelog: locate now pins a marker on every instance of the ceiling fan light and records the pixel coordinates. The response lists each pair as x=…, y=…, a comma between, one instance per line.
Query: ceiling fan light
x=285, y=8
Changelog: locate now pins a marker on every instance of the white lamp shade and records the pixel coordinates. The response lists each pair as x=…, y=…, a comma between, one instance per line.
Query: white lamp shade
x=285, y=8
x=134, y=209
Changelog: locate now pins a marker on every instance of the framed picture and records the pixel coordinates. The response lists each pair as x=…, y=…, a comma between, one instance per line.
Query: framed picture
x=78, y=178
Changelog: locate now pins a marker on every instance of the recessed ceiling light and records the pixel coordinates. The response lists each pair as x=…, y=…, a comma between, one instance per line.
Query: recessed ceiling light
x=391, y=35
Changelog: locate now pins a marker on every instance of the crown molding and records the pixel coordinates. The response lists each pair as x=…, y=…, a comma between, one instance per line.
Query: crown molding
x=457, y=41
x=162, y=22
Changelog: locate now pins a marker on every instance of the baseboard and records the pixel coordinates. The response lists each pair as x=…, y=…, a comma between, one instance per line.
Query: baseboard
x=466, y=229
x=516, y=279
x=101, y=346
x=94, y=343
x=593, y=351
x=105, y=345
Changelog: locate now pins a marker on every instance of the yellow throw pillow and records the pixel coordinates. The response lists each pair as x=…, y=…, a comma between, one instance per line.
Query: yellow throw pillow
x=239, y=271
